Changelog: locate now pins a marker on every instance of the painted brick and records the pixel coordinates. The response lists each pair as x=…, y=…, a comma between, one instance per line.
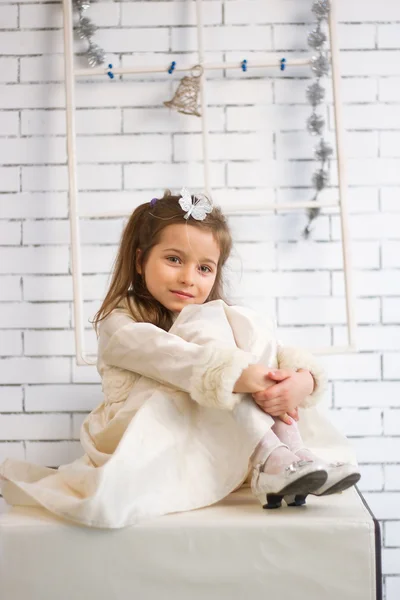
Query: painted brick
x=55, y=288
x=373, y=337
x=34, y=316
x=148, y=120
x=391, y=306
x=281, y=284
x=34, y=427
x=34, y=260
x=373, y=283
x=289, y=37
x=10, y=288
x=228, y=146
x=9, y=123
x=392, y=477
x=49, y=16
x=360, y=199
x=377, y=450
x=326, y=255
x=246, y=37
x=392, y=534
x=367, y=394
x=390, y=199
x=53, y=454
x=390, y=561
x=357, y=422
x=54, y=343
x=62, y=398
x=313, y=311
x=391, y=365
x=10, y=343
x=379, y=226
x=392, y=421
x=33, y=205
x=34, y=370
x=371, y=478
x=13, y=450
x=311, y=337
x=392, y=588
x=352, y=366
x=142, y=14
x=8, y=17
x=9, y=178
x=11, y=398
x=354, y=90
x=8, y=70
x=46, y=122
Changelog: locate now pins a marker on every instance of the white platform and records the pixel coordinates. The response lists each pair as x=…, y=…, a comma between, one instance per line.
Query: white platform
x=234, y=550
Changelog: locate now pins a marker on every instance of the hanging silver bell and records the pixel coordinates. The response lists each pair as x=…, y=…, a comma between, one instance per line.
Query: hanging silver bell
x=185, y=99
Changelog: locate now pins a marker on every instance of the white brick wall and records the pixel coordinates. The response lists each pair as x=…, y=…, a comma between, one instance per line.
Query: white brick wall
x=130, y=148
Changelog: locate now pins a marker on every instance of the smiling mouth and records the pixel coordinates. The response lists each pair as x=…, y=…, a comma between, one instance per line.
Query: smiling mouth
x=182, y=294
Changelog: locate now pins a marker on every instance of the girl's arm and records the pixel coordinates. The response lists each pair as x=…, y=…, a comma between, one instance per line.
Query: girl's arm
x=208, y=372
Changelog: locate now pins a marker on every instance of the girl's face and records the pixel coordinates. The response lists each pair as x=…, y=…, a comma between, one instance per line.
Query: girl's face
x=178, y=273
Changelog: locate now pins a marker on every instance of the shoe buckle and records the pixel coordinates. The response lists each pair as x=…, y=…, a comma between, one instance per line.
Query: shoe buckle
x=293, y=467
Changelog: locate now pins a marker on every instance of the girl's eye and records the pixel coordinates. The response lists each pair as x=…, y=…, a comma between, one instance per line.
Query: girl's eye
x=207, y=269
x=173, y=259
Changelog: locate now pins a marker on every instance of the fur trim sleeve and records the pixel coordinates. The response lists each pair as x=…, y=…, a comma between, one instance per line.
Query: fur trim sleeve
x=212, y=384
x=290, y=357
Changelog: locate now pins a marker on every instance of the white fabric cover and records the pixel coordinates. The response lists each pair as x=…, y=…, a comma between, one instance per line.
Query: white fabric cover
x=170, y=435
x=230, y=551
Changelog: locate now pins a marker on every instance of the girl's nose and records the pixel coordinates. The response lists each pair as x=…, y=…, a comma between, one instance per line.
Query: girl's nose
x=187, y=276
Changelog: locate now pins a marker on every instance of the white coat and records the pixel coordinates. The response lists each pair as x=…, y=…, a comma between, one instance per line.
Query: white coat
x=170, y=434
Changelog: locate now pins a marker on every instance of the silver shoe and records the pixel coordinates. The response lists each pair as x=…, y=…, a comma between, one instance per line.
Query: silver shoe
x=299, y=478
x=341, y=476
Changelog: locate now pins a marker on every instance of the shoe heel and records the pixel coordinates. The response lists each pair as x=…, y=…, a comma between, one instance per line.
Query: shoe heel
x=295, y=500
x=273, y=501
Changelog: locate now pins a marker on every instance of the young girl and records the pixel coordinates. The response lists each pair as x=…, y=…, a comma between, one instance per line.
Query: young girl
x=197, y=394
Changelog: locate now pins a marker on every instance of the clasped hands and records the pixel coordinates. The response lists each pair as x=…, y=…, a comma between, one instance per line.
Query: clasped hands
x=278, y=392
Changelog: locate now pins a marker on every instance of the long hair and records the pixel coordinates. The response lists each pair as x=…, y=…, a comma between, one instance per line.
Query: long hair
x=143, y=232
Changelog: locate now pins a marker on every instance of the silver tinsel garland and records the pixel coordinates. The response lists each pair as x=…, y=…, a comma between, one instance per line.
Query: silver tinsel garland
x=315, y=95
x=85, y=29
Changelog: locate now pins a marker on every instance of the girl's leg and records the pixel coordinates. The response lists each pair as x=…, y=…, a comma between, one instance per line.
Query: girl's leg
x=273, y=454
x=340, y=475
x=290, y=436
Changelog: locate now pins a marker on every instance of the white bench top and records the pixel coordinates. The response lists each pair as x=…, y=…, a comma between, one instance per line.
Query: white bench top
x=233, y=550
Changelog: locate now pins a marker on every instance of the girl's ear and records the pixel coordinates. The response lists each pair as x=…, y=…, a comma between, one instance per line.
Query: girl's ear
x=138, y=261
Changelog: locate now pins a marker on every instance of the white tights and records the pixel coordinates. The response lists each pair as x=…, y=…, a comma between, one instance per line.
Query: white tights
x=281, y=446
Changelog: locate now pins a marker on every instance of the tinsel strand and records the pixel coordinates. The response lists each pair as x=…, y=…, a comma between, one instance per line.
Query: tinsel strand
x=315, y=94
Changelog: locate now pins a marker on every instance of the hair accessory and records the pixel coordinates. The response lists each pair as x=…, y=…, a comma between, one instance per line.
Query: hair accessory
x=172, y=67
x=283, y=64
x=198, y=208
x=153, y=201
x=244, y=65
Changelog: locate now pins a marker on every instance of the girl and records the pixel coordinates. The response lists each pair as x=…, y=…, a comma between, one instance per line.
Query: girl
x=191, y=406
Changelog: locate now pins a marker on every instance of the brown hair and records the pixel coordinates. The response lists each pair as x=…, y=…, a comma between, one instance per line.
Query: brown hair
x=143, y=232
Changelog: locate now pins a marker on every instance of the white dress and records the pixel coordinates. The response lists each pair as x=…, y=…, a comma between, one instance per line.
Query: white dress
x=170, y=434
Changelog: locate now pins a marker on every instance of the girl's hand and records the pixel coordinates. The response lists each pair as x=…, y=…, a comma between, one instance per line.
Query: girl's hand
x=253, y=379
x=291, y=389
x=288, y=418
